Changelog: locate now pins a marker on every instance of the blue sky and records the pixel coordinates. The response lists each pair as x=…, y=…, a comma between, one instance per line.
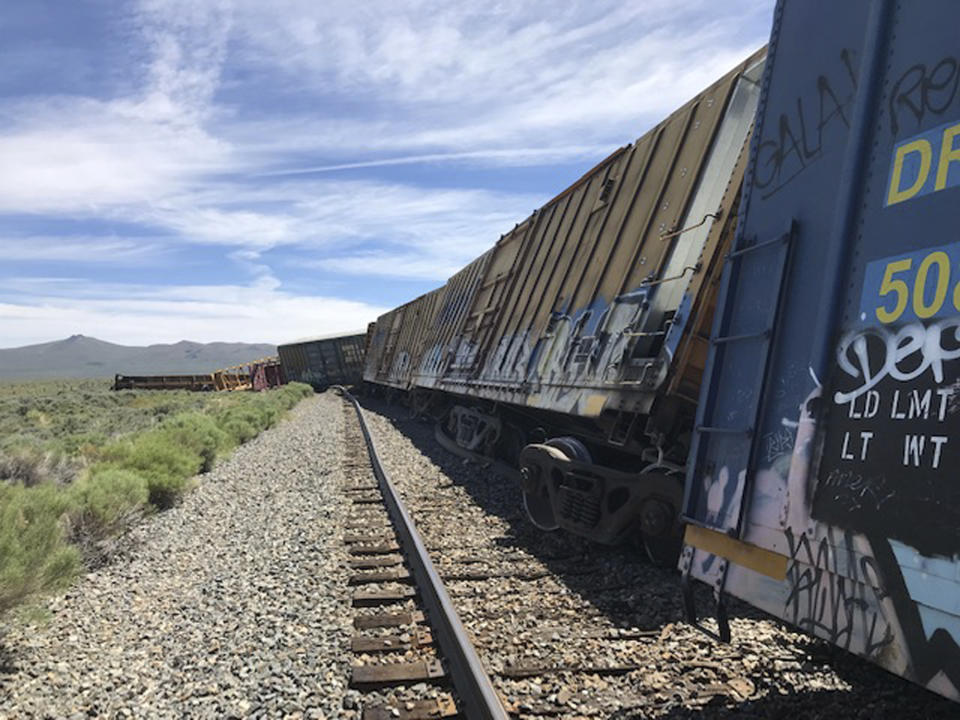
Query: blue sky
x=261, y=171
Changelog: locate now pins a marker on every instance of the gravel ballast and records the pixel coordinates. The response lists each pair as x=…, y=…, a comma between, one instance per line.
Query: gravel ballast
x=555, y=602
x=235, y=603
x=232, y=604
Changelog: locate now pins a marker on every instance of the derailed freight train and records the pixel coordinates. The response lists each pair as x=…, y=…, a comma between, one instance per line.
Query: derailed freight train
x=573, y=349
x=745, y=324
x=822, y=482
x=335, y=359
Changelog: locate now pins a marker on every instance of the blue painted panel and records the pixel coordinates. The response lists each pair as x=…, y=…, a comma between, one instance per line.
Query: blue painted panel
x=860, y=396
x=923, y=164
x=911, y=286
x=897, y=349
x=797, y=152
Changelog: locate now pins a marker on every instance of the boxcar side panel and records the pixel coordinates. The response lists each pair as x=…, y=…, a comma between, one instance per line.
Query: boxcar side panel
x=443, y=335
x=828, y=445
x=324, y=361
x=553, y=327
x=407, y=353
x=487, y=304
x=384, y=344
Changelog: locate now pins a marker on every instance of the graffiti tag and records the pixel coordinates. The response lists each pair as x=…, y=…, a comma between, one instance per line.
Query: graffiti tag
x=904, y=354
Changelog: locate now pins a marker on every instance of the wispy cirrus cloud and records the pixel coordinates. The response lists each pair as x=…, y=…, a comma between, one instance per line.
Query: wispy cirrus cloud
x=506, y=157
x=95, y=249
x=490, y=75
x=365, y=140
x=75, y=154
x=391, y=263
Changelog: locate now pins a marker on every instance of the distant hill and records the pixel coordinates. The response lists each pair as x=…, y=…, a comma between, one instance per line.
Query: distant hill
x=83, y=357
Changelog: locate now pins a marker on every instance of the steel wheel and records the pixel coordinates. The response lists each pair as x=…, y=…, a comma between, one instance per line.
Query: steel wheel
x=540, y=509
x=571, y=447
x=536, y=495
x=659, y=542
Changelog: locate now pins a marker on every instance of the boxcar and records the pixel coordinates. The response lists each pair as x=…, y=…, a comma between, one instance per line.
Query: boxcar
x=574, y=347
x=822, y=482
x=323, y=361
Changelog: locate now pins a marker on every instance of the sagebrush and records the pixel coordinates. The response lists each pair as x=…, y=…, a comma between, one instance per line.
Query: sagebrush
x=118, y=456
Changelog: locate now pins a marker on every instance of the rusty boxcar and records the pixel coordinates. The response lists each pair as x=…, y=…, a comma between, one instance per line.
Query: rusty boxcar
x=574, y=347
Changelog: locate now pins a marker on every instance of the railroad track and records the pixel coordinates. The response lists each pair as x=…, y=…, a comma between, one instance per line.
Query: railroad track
x=408, y=634
x=550, y=653
x=566, y=628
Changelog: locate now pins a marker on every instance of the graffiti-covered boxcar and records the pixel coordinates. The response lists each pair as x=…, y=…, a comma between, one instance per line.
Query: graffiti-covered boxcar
x=574, y=347
x=822, y=480
x=746, y=323
x=323, y=361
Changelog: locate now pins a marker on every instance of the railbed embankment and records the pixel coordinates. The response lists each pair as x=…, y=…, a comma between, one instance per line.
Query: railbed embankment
x=232, y=603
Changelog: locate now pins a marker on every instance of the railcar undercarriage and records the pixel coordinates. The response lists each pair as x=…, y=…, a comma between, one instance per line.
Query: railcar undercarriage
x=570, y=474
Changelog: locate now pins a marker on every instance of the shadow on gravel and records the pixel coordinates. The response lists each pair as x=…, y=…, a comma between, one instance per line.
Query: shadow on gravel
x=623, y=586
x=618, y=581
x=8, y=664
x=8, y=668
x=898, y=700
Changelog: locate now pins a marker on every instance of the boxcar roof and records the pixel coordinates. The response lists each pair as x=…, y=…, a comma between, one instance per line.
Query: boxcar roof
x=331, y=336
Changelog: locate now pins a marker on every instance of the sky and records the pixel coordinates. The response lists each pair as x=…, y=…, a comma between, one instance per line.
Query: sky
x=241, y=170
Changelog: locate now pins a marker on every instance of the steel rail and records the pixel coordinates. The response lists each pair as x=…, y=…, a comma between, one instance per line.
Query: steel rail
x=476, y=694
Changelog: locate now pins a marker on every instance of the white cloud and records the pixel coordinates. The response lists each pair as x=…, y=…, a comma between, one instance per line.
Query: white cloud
x=187, y=44
x=505, y=157
x=443, y=227
x=136, y=314
x=233, y=116
x=483, y=83
x=75, y=155
x=80, y=249
x=479, y=75
x=97, y=159
x=384, y=263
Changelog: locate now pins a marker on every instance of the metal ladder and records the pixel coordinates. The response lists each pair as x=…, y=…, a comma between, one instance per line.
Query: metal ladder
x=709, y=425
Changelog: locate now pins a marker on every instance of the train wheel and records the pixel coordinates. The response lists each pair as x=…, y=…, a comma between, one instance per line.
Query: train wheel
x=571, y=447
x=660, y=542
x=536, y=494
x=540, y=509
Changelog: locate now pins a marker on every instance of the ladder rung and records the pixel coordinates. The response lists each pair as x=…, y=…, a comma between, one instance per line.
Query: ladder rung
x=724, y=430
x=657, y=333
x=746, y=336
x=758, y=246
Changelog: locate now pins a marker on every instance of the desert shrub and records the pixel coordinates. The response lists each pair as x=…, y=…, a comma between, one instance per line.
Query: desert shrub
x=165, y=490
x=104, y=499
x=296, y=391
x=246, y=415
x=72, y=442
x=142, y=450
x=33, y=556
x=251, y=418
x=198, y=433
x=30, y=465
x=37, y=418
x=239, y=429
x=164, y=466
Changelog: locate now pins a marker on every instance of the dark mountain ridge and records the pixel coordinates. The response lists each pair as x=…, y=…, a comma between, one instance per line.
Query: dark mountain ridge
x=79, y=356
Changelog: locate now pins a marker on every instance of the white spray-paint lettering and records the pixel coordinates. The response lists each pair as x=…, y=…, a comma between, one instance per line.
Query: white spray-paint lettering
x=923, y=345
